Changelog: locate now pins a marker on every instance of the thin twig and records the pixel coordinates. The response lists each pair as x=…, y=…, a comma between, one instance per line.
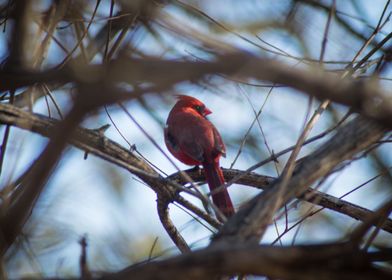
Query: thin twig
x=251, y=126
x=7, y=130
x=69, y=55
x=85, y=273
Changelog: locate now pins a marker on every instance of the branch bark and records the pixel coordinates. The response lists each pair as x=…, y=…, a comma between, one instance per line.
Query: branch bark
x=94, y=143
x=263, y=182
x=330, y=261
x=250, y=223
x=364, y=97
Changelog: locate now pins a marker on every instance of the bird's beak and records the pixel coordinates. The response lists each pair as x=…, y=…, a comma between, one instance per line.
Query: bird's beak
x=206, y=111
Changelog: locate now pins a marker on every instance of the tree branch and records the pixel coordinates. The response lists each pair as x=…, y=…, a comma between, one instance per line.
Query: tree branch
x=92, y=142
x=163, y=213
x=312, y=196
x=330, y=261
x=364, y=97
x=250, y=222
x=96, y=144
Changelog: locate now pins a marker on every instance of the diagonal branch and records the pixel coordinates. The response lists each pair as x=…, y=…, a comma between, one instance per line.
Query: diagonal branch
x=312, y=196
x=96, y=144
x=163, y=213
x=329, y=261
x=364, y=97
x=92, y=142
x=250, y=223
x=16, y=215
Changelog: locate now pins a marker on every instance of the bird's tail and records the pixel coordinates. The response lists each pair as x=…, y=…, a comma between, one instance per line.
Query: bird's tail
x=215, y=179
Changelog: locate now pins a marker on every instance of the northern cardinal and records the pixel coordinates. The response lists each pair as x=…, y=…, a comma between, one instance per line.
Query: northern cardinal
x=194, y=140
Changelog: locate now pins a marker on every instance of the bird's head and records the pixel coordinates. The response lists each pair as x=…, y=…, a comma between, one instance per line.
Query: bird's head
x=185, y=101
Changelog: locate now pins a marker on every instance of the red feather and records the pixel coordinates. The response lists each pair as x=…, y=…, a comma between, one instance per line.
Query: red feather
x=194, y=140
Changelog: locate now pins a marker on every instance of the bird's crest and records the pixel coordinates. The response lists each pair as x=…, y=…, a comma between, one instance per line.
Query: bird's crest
x=187, y=98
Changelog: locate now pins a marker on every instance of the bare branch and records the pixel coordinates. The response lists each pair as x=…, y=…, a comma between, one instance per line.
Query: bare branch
x=376, y=218
x=262, y=182
x=18, y=212
x=250, y=223
x=330, y=261
x=94, y=143
x=163, y=212
x=366, y=98
x=100, y=146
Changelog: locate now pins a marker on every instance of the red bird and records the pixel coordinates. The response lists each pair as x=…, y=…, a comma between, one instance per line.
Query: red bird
x=194, y=140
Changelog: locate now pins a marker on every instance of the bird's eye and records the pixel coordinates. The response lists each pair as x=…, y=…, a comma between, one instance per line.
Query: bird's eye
x=199, y=108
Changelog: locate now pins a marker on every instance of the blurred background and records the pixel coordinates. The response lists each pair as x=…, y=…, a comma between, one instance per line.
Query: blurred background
x=114, y=210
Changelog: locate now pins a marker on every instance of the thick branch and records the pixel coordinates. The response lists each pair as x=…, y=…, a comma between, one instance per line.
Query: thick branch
x=332, y=261
x=250, y=223
x=90, y=96
x=16, y=215
x=95, y=143
x=312, y=196
x=364, y=97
